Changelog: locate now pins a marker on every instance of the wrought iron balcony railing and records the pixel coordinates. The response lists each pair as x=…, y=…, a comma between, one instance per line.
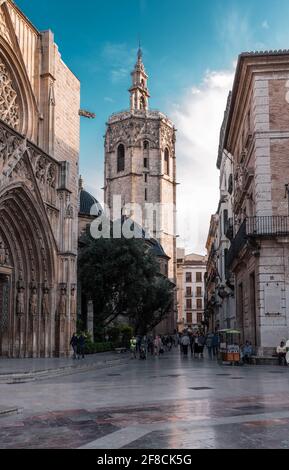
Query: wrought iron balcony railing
x=276, y=226
x=257, y=227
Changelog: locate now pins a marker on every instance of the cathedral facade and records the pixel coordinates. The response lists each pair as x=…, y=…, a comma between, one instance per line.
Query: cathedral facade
x=140, y=166
x=39, y=152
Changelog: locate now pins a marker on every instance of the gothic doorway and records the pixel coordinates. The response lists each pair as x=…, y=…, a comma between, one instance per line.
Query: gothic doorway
x=27, y=276
x=4, y=311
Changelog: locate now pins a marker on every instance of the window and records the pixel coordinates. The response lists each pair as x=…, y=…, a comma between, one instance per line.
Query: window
x=120, y=158
x=142, y=103
x=146, y=194
x=189, y=304
x=145, y=163
x=199, y=292
x=199, y=318
x=199, y=277
x=199, y=304
x=146, y=145
x=188, y=291
x=189, y=318
x=188, y=277
x=167, y=162
x=146, y=178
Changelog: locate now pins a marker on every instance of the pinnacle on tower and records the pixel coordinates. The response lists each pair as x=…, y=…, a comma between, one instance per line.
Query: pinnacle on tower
x=139, y=94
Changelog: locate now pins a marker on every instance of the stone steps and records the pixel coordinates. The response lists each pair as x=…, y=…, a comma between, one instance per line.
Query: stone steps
x=31, y=376
x=265, y=361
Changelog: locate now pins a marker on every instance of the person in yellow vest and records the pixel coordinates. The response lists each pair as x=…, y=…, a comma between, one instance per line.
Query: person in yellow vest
x=133, y=347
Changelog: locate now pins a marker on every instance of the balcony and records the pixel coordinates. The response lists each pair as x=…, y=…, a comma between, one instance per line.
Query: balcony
x=256, y=228
x=276, y=226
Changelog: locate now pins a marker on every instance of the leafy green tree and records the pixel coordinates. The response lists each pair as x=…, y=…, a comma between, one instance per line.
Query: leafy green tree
x=122, y=279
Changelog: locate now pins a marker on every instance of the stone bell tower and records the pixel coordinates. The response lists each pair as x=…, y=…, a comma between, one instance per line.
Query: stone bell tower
x=140, y=165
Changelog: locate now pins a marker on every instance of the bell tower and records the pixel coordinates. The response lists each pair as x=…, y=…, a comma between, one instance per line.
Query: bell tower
x=140, y=165
x=139, y=94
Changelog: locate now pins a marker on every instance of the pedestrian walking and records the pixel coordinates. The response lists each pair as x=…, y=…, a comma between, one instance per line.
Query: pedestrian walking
x=201, y=342
x=196, y=347
x=133, y=347
x=81, y=346
x=150, y=346
x=74, y=343
x=215, y=343
x=209, y=344
x=185, y=344
x=170, y=343
x=138, y=343
x=157, y=345
x=143, y=348
x=192, y=343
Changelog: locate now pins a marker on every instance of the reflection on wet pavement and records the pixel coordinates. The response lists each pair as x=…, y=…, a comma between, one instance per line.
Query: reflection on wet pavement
x=171, y=403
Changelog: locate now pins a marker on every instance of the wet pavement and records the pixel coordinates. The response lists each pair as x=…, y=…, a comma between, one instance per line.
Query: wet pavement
x=169, y=402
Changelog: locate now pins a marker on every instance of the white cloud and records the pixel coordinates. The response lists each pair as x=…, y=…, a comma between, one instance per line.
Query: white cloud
x=265, y=24
x=198, y=118
x=121, y=60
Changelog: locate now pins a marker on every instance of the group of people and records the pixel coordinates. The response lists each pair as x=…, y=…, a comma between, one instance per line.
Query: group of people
x=197, y=341
x=141, y=346
x=77, y=343
x=247, y=351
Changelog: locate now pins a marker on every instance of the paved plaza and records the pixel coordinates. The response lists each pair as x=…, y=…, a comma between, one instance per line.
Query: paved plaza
x=168, y=402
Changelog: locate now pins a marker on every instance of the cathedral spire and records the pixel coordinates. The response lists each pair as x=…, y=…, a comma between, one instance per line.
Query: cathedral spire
x=139, y=94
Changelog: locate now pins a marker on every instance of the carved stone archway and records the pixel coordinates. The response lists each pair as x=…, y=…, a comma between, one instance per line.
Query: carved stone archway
x=27, y=276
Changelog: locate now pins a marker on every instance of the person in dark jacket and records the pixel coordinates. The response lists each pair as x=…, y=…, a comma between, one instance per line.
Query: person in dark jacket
x=192, y=343
x=215, y=343
x=74, y=343
x=81, y=346
x=209, y=344
x=202, y=342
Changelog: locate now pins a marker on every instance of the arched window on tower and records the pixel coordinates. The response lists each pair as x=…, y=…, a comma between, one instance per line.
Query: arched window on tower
x=142, y=103
x=167, y=162
x=146, y=147
x=120, y=158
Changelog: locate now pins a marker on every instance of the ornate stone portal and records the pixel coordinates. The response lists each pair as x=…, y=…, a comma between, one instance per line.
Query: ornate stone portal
x=38, y=195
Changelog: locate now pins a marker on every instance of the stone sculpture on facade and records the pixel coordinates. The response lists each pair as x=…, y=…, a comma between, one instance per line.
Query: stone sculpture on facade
x=20, y=301
x=33, y=301
x=62, y=302
x=45, y=300
x=4, y=254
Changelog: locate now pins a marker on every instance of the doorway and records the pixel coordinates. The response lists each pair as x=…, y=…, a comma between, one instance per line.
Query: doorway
x=4, y=314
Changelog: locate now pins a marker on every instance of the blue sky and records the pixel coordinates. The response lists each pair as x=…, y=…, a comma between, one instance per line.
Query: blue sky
x=190, y=48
